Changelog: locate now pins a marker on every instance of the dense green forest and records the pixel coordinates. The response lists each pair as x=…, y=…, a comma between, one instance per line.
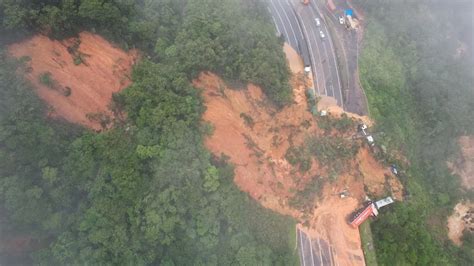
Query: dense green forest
x=419, y=82
x=146, y=191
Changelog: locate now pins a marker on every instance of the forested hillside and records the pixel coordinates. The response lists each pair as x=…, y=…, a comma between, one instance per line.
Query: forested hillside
x=146, y=191
x=416, y=67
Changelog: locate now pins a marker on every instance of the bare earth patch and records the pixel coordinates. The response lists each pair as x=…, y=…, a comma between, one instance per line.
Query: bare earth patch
x=464, y=164
x=256, y=137
x=461, y=219
x=76, y=76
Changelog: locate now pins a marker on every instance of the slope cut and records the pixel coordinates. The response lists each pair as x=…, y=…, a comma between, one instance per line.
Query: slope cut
x=76, y=77
x=257, y=139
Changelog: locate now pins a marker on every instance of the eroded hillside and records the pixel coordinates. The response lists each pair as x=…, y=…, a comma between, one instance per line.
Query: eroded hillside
x=293, y=162
x=76, y=76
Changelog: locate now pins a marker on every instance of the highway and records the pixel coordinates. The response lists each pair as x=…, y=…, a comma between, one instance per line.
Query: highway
x=314, y=252
x=286, y=22
x=297, y=23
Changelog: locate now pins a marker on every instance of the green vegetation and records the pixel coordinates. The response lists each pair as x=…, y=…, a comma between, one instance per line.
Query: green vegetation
x=46, y=79
x=248, y=120
x=304, y=199
x=235, y=39
x=332, y=151
x=299, y=156
x=146, y=191
x=368, y=244
x=420, y=92
x=342, y=125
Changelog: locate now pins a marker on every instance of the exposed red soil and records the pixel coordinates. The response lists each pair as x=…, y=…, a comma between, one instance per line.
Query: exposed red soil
x=464, y=164
x=105, y=69
x=461, y=219
x=257, y=150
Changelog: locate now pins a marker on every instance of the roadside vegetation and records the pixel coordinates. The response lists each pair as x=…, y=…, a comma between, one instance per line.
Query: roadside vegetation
x=146, y=191
x=367, y=240
x=418, y=81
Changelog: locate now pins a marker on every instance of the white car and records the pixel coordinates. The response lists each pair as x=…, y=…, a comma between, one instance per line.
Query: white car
x=321, y=33
x=341, y=20
x=318, y=22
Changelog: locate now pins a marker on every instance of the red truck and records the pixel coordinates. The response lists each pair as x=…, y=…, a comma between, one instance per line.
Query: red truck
x=362, y=214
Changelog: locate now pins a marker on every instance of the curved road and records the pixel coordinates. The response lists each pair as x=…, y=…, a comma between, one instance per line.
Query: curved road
x=297, y=23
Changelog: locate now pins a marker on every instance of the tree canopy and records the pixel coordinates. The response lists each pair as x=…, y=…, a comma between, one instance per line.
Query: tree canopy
x=418, y=79
x=145, y=191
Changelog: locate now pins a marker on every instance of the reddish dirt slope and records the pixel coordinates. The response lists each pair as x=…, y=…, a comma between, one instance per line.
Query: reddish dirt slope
x=461, y=219
x=256, y=137
x=105, y=70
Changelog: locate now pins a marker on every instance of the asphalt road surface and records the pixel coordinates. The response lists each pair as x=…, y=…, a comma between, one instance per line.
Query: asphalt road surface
x=355, y=100
x=314, y=252
x=297, y=23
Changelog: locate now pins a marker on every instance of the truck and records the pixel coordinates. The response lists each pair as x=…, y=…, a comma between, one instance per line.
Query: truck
x=370, y=140
x=359, y=216
x=383, y=202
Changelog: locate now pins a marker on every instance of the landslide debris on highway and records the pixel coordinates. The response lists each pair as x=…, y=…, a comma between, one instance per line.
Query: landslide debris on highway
x=76, y=76
x=293, y=162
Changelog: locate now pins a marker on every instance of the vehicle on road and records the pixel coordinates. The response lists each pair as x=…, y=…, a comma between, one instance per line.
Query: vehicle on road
x=341, y=20
x=359, y=216
x=321, y=33
x=318, y=22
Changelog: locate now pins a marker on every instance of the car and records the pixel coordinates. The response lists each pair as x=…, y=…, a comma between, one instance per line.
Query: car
x=318, y=22
x=321, y=33
x=341, y=20
x=394, y=169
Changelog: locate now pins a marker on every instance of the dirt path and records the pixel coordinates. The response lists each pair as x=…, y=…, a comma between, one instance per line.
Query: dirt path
x=256, y=137
x=77, y=76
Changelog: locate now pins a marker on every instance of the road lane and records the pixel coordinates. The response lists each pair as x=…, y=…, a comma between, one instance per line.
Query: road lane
x=296, y=22
x=280, y=15
x=329, y=46
x=290, y=22
x=320, y=68
x=315, y=251
x=279, y=22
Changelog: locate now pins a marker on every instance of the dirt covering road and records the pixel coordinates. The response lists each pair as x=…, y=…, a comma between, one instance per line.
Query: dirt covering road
x=256, y=137
x=76, y=76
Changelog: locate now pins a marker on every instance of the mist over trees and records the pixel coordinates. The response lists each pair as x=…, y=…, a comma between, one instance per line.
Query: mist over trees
x=416, y=68
x=146, y=191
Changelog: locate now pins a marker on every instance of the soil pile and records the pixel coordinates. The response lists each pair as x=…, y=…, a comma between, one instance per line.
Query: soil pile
x=461, y=219
x=256, y=137
x=76, y=76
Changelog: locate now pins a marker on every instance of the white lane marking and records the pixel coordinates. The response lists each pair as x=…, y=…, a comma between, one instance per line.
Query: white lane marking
x=320, y=255
x=289, y=22
x=274, y=21
x=293, y=11
x=315, y=39
x=302, y=254
x=281, y=20
x=337, y=71
x=330, y=255
x=329, y=67
x=310, y=50
x=311, y=248
x=334, y=58
x=319, y=50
